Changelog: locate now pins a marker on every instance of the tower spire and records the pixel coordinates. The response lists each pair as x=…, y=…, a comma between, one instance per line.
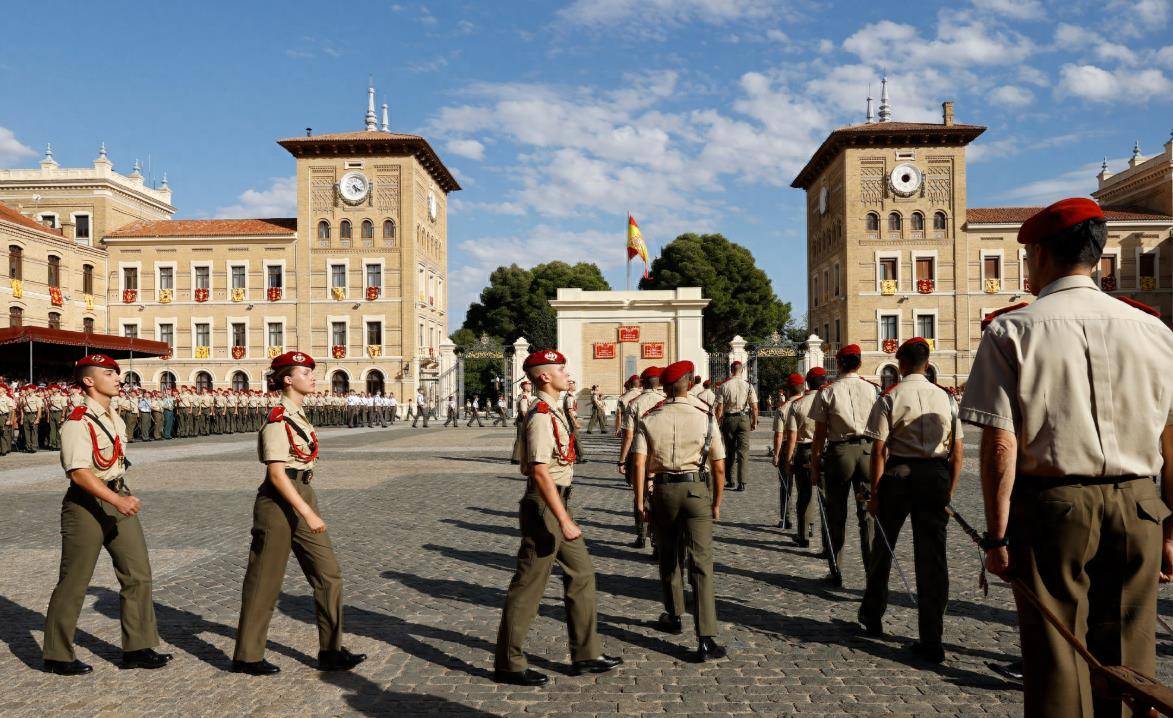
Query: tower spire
x=386, y=124
x=871, y=118
x=370, y=118
x=885, y=108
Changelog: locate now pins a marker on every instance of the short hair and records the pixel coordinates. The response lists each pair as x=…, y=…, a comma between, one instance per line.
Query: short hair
x=1080, y=244
x=814, y=382
x=849, y=362
x=681, y=385
x=81, y=372
x=915, y=354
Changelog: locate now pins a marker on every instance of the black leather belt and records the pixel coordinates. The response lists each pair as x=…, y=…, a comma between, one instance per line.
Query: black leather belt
x=1027, y=483
x=564, y=493
x=852, y=440
x=733, y=413
x=116, y=485
x=302, y=475
x=678, y=477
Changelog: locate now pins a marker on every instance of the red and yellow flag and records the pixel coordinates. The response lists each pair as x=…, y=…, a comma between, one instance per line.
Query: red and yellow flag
x=635, y=244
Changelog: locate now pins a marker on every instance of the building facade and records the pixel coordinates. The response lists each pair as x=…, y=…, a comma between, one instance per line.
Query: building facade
x=894, y=251
x=358, y=278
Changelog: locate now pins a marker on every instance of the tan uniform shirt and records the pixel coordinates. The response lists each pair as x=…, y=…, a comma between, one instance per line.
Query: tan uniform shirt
x=156, y=404
x=77, y=446
x=639, y=405
x=625, y=400
x=780, y=415
x=273, y=441
x=58, y=402
x=1083, y=380
x=76, y=399
x=736, y=395
x=798, y=417
x=32, y=402
x=845, y=405
x=523, y=402
x=708, y=396
x=672, y=436
x=915, y=419
x=7, y=405
x=547, y=441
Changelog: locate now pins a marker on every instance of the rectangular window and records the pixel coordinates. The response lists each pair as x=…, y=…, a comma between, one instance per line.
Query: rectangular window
x=374, y=275
x=203, y=277
x=15, y=317
x=49, y=220
x=130, y=277
x=826, y=284
x=15, y=262
x=926, y=326
x=888, y=268
x=1107, y=266
x=421, y=335
x=276, y=334
x=274, y=276
x=239, y=335
x=338, y=275
x=889, y=327
x=238, y=277
x=203, y=334
x=993, y=267
x=166, y=278
x=87, y=279
x=375, y=334
x=816, y=289
x=925, y=268
x=87, y=325
x=54, y=320
x=338, y=334
x=130, y=331
x=167, y=334
x=838, y=338
x=827, y=331
x=1148, y=264
x=835, y=279
x=54, y=271
x=81, y=226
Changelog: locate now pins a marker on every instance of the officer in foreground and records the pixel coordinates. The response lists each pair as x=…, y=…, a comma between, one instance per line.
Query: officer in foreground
x=549, y=534
x=1073, y=397
x=98, y=511
x=916, y=460
x=678, y=441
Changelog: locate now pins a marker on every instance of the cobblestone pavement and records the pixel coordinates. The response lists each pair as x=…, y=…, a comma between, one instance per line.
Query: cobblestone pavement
x=425, y=526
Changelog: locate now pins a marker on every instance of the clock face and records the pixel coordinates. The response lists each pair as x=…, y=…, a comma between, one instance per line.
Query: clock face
x=905, y=179
x=354, y=187
x=432, y=209
x=823, y=200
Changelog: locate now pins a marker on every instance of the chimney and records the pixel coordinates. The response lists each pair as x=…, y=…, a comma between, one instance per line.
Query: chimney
x=309, y=132
x=69, y=229
x=947, y=113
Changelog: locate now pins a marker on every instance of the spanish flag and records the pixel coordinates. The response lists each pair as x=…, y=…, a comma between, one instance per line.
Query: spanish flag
x=635, y=244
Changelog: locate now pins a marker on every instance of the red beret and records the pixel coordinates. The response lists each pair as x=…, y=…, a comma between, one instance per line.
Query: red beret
x=915, y=340
x=795, y=379
x=292, y=359
x=633, y=377
x=675, y=371
x=1058, y=217
x=542, y=358
x=816, y=372
x=849, y=350
x=734, y=365
x=708, y=383
x=652, y=372
x=98, y=360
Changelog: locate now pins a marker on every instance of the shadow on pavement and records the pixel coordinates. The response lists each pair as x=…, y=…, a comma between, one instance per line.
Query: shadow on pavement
x=17, y=624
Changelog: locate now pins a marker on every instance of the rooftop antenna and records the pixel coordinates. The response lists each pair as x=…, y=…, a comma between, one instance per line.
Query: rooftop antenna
x=871, y=116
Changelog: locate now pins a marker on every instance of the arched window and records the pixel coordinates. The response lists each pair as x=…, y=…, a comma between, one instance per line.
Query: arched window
x=894, y=222
x=15, y=262
x=203, y=380
x=15, y=317
x=344, y=229
x=239, y=381
x=872, y=223
x=131, y=380
x=388, y=229
x=54, y=320
x=939, y=221
x=374, y=382
x=323, y=230
x=54, y=270
x=888, y=376
x=167, y=381
x=368, y=229
x=918, y=222
x=339, y=382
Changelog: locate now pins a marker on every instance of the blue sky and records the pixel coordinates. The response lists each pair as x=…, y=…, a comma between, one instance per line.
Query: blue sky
x=558, y=117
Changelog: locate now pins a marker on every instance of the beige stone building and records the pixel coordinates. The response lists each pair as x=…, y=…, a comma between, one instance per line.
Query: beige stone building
x=358, y=278
x=894, y=251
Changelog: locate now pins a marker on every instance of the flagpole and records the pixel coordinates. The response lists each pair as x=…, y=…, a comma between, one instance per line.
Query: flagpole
x=627, y=229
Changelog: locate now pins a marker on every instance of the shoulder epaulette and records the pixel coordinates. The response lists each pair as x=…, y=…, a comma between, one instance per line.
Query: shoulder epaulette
x=77, y=413
x=542, y=407
x=657, y=406
x=999, y=312
x=1152, y=311
x=277, y=414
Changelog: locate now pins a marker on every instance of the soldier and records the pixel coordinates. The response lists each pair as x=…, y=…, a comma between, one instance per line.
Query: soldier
x=696, y=387
x=916, y=460
x=570, y=408
x=393, y=405
x=32, y=408
x=168, y=403
x=285, y=518
x=7, y=419
x=99, y=510
x=677, y=440
x=186, y=420
x=707, y=394
x=631, y=389
x=499, y=418
x=523, y=403
x=421, y=408
x=549, y=534
x=649, y=397
x=790, y=391
x=841, y=412
x=1072, y=397
x=58, y=404
x=156, y=403
x=474, y=414
x=737, y=412
x=800, y=433
x=598, y=411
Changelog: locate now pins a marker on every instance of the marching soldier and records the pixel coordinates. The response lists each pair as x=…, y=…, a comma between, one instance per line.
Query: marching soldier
x=649, y=397
x=523, y=403
x=841, y=412
x=169, y=414
x=549, y=534
x=916, y=460
x=570, y=408
x=7, y=419
x=632, y=389
x=598, y=411
x=706, y=394
x=499, y=418
x=143, y=404
x=800, y=433
x=421, y=409
x=450, y=418
x=790, y=392
x=156, y=416
x=1072, y=395
x=32, y=408
x=474, y=413
x=58, y=404
x=99, y=510
x=677, y=441
x=737, y=412
x=285, y=518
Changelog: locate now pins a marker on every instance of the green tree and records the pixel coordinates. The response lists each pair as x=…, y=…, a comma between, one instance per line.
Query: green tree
x=742, y=299
x=517, y=301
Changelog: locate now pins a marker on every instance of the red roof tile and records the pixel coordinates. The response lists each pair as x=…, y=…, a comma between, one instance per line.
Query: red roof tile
x=208, y=228
x=11, y=215
x=1018, y=215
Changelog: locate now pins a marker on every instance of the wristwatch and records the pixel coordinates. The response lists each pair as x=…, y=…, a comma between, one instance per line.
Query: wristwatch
x=989, y=542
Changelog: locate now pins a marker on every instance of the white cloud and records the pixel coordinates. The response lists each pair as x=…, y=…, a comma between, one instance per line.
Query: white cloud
x=653, y=12
x=983, y=150
x=466, y=148
x=961, y=41
x=1164, y=56
x=1079, y=182
x=1096, y=84
x=278, y=200
x=1113, y=52
x=1015, y=9
x=12, y=150
x=434, y=65
x=1011, y=96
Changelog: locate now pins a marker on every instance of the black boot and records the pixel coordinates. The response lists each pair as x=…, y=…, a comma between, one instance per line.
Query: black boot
x=670, y=624
x=255, y=668
x=708, y=650
x=602, y=664
x=147, y=658
x=340, y=660
x=67, y=668
x=527, y=677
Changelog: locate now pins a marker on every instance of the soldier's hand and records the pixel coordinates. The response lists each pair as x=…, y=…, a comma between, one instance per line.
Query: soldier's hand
x=1167, y=561
x=315, y=523
x=128, y=505
x=571, y=531
x=774, y=461
x=644, y=515
x=622, y=467
x=716, y=512
x=873, y=504
x=998, y=562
